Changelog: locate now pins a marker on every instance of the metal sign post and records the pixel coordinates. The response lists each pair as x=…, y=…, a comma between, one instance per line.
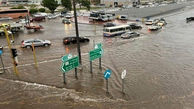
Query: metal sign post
x=94, y=54
x=122, y=77
x=69, y=63
x=2, y=61
x=107, y=74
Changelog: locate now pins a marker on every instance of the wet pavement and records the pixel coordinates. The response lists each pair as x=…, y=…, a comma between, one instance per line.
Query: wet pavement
x=159, y=69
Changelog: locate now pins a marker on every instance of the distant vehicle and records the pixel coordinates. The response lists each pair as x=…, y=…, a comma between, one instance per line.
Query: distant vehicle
x=14, y=13
x=123, y=17
x=116, y=30
x=66, y=21
x=189, y=19
x=73, y=40
x=135, y=26
x=109, y=24
x=154, y=28
x=23, y=21
x=43, y=14
x=68, y=16
x=34, y=27
x=149, y=22
x=101, y=16
x=130, y=34
x=36, y=43
x=38, y=18
x=52, y=16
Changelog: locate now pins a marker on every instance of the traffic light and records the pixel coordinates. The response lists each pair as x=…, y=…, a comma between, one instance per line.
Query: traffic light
x=14, y=52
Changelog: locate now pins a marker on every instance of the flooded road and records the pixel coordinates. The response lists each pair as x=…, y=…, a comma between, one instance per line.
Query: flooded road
x=160, y=71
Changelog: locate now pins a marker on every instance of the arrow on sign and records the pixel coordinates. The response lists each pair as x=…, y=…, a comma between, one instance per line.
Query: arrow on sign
x=123, y=74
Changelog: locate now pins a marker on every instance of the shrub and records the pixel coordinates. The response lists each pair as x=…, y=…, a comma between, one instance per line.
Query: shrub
x=33, y=10
x=42, y=10
x=19, y=7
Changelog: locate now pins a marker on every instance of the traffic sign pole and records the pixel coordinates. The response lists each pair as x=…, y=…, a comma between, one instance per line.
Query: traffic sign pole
x=64, y=80
x=107, y=86
x=76, y=73
x=91, y=67
x=100, y=67
x=123, y=86
x=9, y=45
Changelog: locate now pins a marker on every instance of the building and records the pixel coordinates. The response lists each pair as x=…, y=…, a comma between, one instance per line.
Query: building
x=116, y=2
x=17, y=1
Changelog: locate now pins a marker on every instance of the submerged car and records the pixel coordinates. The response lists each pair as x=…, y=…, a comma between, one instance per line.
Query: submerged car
x=36, y=42
x=135, y=26
x=154, y=28
x=109, y=24
x=66, y=21
x=73, y=40
x=130, y=34
x=149, y=22
x=189, y=19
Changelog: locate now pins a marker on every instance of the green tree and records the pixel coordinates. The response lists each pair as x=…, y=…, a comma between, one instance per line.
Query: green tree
x=67, y=4
x=85, y=3
x=33, y=10
x=50, y=4
x=41, y=10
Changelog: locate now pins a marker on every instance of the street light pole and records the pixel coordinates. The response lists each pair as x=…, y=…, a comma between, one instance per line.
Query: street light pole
x=77, y=32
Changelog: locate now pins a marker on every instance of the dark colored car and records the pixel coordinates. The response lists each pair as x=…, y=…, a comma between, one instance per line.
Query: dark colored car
x=189, y=19
x=109, y=24
x=38, y=18
x=69, y=40
x=135, y=26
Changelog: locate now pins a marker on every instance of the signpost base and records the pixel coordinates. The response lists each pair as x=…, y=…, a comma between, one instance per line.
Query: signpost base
x=76, y=73
x=91, y=67
x=100, y=67
x=64, y=81
x=123, y=86
x=107, y=86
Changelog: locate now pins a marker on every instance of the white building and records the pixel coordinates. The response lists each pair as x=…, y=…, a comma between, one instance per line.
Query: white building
x=116, y=2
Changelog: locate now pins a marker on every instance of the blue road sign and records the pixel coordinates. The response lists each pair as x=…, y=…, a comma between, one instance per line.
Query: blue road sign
x=1, y=52
x=107, y=74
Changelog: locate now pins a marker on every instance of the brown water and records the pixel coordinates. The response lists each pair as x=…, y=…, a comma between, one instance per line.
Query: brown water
x=159, y=66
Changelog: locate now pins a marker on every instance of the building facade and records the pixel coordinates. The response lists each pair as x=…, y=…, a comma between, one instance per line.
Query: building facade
x=116, y=2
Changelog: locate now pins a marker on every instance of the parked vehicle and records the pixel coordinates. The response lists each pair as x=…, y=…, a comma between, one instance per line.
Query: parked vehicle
x=135, y=26
x=116, y=30
x=36, y=42
x=52, y=16
x=189, y=19
x=109, y=24
x=68, y=16
x=123, y=17
x=130, y=34
x=69, y=40
x=1, y=48
x=66, y=21
x=149, y=22
x=154, y=28
x=101, y=16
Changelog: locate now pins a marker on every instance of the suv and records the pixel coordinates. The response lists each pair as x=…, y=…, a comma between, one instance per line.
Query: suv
x=36, y=42
x=68, y=40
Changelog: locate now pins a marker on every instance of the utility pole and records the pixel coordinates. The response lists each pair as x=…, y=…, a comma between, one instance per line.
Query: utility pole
x=77, y=32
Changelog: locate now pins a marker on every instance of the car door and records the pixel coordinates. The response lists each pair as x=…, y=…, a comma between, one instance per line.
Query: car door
x=37, y=43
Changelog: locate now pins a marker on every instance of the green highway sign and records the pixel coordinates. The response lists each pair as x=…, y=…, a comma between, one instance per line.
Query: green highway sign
x=99, y=45
x=96, y=53
x=64, y=58
x=70, y=64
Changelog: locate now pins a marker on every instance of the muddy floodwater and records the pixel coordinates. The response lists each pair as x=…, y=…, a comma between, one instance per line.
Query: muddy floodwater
x=159, y=65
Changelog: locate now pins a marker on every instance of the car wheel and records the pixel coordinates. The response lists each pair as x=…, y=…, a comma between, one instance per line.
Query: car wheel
x=28, y=46
x=46, y=45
